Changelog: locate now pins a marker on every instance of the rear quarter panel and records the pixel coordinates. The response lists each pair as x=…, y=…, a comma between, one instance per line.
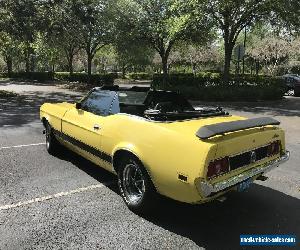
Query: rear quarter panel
x=164, y=153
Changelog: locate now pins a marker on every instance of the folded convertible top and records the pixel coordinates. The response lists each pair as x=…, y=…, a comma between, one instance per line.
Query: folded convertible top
x=208, y=131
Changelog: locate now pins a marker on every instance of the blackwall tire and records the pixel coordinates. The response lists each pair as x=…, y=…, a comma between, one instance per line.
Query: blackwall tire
x=51, y=142
x=136, y=187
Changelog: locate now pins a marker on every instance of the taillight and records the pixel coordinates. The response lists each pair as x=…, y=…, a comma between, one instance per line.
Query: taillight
x=218, y=167
x=274, y=148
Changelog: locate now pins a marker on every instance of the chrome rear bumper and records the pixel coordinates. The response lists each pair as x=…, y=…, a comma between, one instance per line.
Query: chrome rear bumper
x=207, y=189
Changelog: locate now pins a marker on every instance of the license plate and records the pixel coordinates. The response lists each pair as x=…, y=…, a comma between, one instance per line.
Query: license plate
x=244, y=185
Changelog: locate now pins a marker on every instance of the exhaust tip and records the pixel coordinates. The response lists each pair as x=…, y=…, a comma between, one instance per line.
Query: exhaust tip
x=221, y=198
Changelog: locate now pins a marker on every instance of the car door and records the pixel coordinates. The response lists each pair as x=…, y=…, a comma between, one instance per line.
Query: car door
x=290, y=82
x=82, y=126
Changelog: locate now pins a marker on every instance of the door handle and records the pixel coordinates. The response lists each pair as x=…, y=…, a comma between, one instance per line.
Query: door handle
x=96, y=127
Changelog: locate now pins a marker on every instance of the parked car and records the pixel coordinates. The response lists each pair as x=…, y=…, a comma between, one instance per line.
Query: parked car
x=292, y=81
x=157, y=143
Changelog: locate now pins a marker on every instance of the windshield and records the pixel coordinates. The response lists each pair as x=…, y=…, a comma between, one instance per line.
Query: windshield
x=132, y=97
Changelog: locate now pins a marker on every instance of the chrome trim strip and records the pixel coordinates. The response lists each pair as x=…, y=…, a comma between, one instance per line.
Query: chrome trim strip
x=206, y=188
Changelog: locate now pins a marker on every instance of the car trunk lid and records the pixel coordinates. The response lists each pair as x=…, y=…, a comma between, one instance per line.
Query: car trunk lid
x=238, y=145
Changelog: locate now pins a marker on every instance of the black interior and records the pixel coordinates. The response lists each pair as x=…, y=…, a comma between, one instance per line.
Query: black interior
x=163, y=105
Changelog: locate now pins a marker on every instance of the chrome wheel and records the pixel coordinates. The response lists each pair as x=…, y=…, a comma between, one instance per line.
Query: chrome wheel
x=51, y=142
x=133, y=183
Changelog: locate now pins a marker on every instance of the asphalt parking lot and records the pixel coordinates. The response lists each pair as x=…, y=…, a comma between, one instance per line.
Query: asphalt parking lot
x=66, y=202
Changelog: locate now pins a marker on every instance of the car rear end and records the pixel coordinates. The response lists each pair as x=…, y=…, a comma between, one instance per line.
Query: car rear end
x=297, y=88
x=292, y=82
x=240, y=157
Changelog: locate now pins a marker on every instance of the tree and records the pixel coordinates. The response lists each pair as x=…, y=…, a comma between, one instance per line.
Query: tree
x=47, y=55
x=132, y=53
x=95, y=26
x=231, y=17
x=23, y=14
x=195, y=55
x=61, y=29
x=105, y=59
x=294, y=62
x=271, y=51
x=162, y=23
x=9, y=50
x=286, y=15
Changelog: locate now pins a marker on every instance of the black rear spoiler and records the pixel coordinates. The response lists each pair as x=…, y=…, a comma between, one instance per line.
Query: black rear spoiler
x=209, y=131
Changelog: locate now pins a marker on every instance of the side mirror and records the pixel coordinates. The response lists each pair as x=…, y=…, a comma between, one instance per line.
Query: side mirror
x=78, y=105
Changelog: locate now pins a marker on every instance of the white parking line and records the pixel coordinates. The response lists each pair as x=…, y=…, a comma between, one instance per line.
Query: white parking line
x=22, y=146
x=49, y=197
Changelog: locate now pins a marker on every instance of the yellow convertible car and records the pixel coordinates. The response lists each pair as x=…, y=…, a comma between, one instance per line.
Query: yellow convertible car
x=157, y=143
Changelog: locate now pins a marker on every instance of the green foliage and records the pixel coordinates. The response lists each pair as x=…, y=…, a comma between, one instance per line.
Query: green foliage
x=9, y=49
x=95, y=79
x=95, y=26
x=231, y=17
x=105, y=59
x=183, y=79
x=210, y=87
x=22, y=22
x=140, y=76
x=39, y=76
x=39, y=35
x=295, y=69
x=61, y=31
x=163, y=23
x=132, y=54
x=5, y=94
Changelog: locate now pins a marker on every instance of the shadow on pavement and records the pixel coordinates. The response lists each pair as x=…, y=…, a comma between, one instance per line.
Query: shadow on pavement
x=289, y=106
x=215, y=225
x=261, y=210
x=18, y=111
x=88, y=167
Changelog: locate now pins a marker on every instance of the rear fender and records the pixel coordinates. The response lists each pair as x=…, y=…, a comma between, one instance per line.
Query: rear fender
x=134, y=150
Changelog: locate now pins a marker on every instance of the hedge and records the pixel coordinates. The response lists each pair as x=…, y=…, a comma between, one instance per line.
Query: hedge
x=39, y=76
x=140, y=76
x=5, y=94
x=250, y=88
x=96, y=79
x=148, y=76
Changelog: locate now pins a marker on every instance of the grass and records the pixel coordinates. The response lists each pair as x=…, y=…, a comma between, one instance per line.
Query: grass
x=4, y=93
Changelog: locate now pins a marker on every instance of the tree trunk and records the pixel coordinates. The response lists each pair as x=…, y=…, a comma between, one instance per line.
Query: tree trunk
x=123, y=71
x=257, y=67
x=70, y=64
x=27, y=61
x=194, y=69
x=228, y=55
x=9, y=65
x=164, y=60
x=89, y=67
x=32, y=61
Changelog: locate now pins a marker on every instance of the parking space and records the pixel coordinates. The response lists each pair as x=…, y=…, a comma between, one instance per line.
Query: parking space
x=66, y=202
